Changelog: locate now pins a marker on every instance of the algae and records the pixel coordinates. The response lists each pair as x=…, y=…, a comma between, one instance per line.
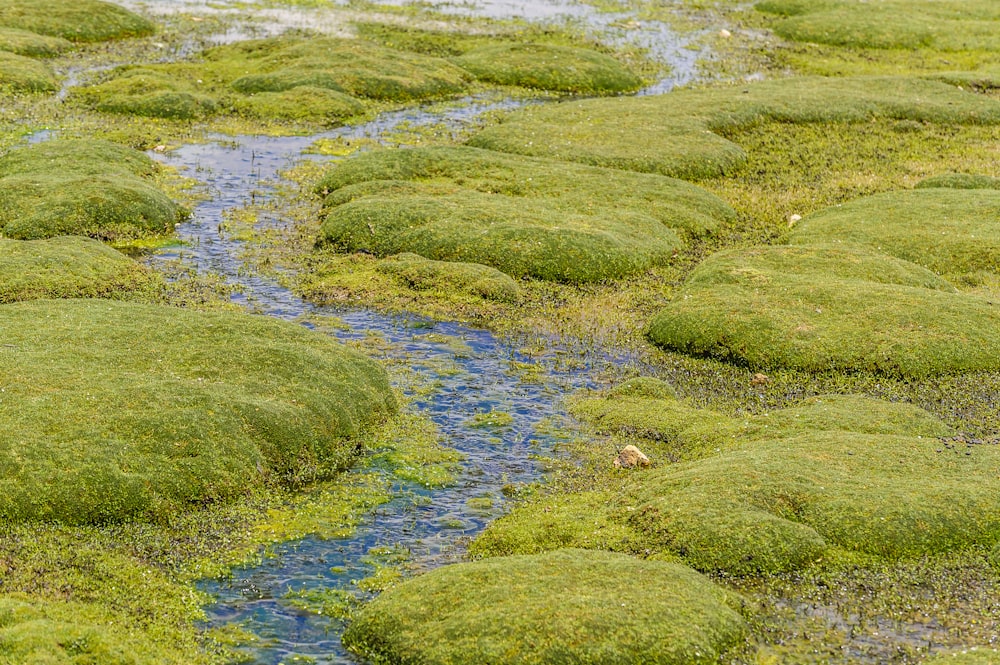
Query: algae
x=569, y=605
x=119, y=410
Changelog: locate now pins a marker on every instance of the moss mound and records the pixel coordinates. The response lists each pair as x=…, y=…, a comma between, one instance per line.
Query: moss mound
x=971, y=656
x=548, y=67
x=950, y=231
x=118, y=410
x=22, y=74
x=959, y=181
x=78, y=21
x=90, y=188
x=33, y=631
x=677, y=134
x=321, y=80
x=23, y=42
x=566, y=606
x=781, y=504
x=68, y=267
x=525, y=217
x=944, y=25
x=822, y=308
x=424, y=275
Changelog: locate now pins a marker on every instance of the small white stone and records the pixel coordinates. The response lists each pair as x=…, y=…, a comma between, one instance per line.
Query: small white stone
x=725, y=34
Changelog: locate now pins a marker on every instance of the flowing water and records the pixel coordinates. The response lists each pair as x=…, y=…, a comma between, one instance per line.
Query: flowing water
x=472, y=371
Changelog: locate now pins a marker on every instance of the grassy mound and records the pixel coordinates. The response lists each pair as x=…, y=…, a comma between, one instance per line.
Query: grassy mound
x=22, y=74
x=959, y=181
x=525, y=217
x=68, y=267
x=566, y=606
x=427, y=275
x=781, y=504
x=944, y=25
x=677, y=134
x=119, y=410
x=321, y=80
x=949, y=231
x=822, y=308
x=91, y=188
x=23, y=42
x=548, y=67
x=78, y=21
x=33, y=631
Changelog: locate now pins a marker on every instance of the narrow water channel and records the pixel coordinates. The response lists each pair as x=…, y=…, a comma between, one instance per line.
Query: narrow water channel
x=473, y=372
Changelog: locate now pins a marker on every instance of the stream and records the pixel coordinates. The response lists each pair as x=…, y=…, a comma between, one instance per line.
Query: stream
x=473, y=373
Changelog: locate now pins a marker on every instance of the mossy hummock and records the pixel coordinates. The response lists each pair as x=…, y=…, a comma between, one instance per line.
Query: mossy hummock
x=523, y=216
x=943, y=25
x=70, y=267
x=82, y=187
x=566, y=606
x=824, y=308
x=948, y=230
x=33, y=45
x=77, y=21
x=20, y=73
x=119, y=410
x=682, y=134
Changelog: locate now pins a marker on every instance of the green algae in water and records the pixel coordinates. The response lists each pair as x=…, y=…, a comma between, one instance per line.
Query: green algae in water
x=239, y=401
x=822, y=308
x=493, y=420
x=70, y=267
x=570, y=604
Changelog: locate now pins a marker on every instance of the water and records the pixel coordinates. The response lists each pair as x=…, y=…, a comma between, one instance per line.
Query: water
x=478, y=375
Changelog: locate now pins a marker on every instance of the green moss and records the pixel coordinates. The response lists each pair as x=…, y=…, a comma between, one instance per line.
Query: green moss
x=120, y=410
x=959, y=181
x=675, y=134
x=148, y=92
x=547, y=67
x=826, y=308
x=90, y=188
x=302, y=103
x=23, y=42
x=566, y=606
x=426, y=275
x=970, y=656
x=525, y=217
x=945, y=25
x=643, y=386
x=77, y=157
x=949, y=231
x=78, y=21
x=69, y=267
x=22, y=74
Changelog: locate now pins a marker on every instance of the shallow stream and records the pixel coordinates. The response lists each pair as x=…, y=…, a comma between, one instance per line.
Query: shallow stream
x=472, y=371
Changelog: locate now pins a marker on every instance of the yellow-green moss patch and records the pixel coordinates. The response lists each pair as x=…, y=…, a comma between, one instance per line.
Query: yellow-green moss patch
x=118, y=410
x=427, y=275
x=951, y=231
x=566, y=606
x=678, y=133
x=78, y=21
x=828, y=308
x=19, y=73
x=69, y=267
x=23, y=42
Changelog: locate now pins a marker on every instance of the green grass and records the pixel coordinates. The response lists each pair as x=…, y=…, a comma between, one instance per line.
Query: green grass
x=678, y=134
x=78, y=21
x=119, y=410
x=19, y=73
x=566, y=606
x=70, y=267
x=548, y=67
x=825, y=308
x=422, y=274
x=943, y=25
x=522, y=216
x=947, y=230
x=83, y=187
x=24, y=42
